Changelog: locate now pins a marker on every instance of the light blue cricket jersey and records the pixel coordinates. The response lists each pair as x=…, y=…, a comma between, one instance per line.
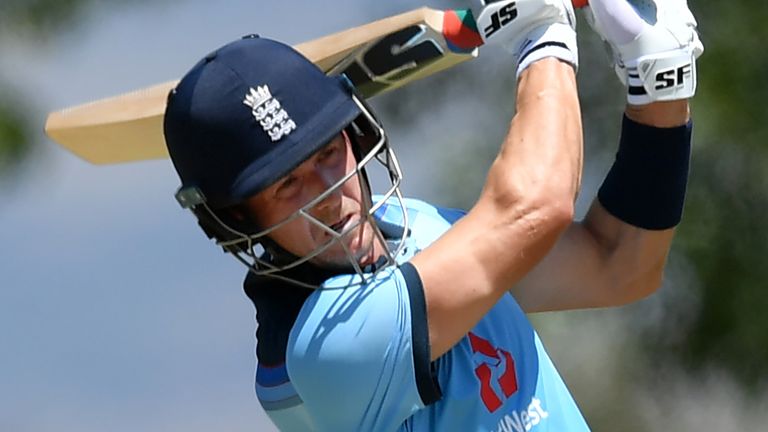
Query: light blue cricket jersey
x=357, y=359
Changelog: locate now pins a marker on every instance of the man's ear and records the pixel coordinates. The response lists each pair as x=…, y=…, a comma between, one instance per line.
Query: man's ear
x=238, y=217
x=236, y=212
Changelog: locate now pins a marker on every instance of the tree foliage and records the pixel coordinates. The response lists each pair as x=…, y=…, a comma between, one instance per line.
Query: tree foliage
x=724, y=233
x=39, y=16
x=14, y=136
x=33, y=20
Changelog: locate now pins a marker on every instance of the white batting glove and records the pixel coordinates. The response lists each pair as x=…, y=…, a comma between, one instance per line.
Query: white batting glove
x=655, y=46
x=530, y=29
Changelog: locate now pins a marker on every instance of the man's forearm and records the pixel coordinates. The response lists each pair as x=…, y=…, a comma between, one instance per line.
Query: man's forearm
x=636, y=242
x=545, y=135
x=533, y=182
x=526, y=204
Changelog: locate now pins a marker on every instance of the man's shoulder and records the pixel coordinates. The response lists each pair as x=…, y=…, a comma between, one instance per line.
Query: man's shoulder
x=348, y=339
x=416, y=210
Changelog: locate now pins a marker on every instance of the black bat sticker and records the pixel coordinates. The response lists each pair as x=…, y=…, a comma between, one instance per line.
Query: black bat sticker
x=392, y=58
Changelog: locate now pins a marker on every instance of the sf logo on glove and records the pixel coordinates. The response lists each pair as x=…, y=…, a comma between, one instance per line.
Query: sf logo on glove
x=673, y=77
x=501, y=17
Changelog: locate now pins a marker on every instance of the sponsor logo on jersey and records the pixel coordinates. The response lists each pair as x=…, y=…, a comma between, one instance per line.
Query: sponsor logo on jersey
x=523, y=420
x=269, y=113
x=495, y=370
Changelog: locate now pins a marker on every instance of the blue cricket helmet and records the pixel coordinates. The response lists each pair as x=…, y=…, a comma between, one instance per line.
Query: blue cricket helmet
x=248, y=114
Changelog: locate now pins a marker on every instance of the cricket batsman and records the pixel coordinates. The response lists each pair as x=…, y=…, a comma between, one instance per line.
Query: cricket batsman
x=378, y=312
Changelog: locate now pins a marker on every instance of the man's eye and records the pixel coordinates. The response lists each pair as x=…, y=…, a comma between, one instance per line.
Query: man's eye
x=288, y=187
x=330, y=153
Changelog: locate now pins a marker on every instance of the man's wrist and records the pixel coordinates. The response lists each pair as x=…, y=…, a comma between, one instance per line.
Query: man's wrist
x=552, y=74
x=646, y=185
x=553, y=40
x=660, y=114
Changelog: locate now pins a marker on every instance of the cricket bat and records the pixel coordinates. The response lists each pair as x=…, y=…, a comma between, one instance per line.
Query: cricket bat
x=377, y=57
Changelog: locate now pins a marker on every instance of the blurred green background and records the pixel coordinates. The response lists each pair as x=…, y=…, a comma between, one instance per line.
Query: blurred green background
x=692, y=357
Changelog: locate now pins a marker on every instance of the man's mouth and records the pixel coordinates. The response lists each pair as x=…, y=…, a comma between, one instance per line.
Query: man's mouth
x=339, y=226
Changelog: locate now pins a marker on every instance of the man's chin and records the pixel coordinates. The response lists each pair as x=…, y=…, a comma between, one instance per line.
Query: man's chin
x=340, y=260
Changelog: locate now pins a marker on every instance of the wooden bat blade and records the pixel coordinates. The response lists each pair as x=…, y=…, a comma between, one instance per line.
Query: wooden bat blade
x=377, y=57
x=122, y=128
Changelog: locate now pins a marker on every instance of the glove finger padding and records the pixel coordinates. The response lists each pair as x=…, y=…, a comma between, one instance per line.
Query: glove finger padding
x=530, y=29
x=654, y=43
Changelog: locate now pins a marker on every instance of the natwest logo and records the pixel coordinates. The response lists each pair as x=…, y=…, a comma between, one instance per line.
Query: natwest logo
x=495, y=370
x=523, y=420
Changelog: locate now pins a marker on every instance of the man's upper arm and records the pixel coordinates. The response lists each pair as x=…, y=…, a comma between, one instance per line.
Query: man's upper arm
x=598, y=262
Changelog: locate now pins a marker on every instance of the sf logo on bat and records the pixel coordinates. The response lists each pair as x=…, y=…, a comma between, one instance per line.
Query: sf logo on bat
x=503, y=16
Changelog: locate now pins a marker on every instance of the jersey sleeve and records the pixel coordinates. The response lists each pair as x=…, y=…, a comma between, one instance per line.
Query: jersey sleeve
x=359, y=356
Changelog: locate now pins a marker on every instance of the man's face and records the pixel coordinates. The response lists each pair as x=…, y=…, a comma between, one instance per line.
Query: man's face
x=346, y=206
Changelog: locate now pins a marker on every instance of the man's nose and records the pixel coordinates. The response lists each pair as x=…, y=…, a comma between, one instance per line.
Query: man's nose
x=323, y=180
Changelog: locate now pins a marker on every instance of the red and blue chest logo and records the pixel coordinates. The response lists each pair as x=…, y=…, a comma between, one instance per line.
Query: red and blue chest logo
x=495, y=369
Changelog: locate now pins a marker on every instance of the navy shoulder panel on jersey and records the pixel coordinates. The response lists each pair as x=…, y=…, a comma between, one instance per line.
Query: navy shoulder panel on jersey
x=277, y=305
x=426, y=373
